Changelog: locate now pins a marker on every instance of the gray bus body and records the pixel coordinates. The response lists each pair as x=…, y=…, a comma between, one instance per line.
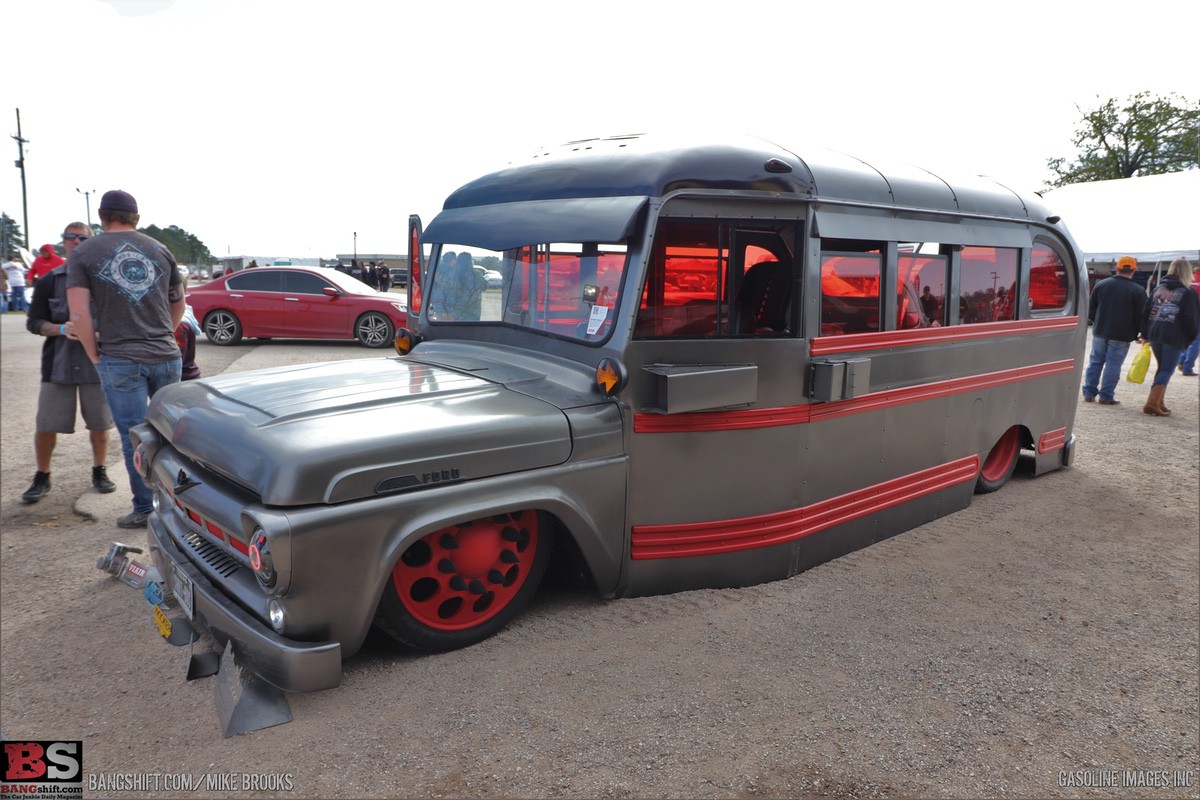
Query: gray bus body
x=707, y=366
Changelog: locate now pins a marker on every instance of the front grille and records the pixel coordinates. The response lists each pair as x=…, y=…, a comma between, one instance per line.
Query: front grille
x=211, y=554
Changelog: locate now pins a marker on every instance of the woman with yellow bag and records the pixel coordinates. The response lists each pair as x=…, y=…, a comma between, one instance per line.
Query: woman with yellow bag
x=1172, y=322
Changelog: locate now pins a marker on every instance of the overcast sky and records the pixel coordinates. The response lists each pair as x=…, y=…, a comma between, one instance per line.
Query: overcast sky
x=284, y=127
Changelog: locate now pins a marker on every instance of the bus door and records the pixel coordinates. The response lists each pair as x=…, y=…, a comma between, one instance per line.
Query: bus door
x=716, y=380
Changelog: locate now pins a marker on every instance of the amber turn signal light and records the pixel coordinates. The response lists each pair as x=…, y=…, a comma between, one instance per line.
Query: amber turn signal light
x=610, y=376
x=406, y=340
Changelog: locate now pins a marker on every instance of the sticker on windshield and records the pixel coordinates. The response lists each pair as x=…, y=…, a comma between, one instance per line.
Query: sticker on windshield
x=599, y=314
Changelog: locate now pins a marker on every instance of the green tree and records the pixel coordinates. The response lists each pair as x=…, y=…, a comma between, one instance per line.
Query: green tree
x=186, y=248
x=10, y=237
x=1147, y=135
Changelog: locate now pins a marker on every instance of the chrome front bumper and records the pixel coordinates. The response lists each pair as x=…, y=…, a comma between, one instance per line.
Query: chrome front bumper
x=288, y=665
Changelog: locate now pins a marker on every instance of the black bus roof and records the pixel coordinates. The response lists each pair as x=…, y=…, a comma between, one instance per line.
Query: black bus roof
x=649, y=166
x=611, y=178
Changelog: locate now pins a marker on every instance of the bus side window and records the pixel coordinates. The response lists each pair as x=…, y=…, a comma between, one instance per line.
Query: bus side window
x=681, y=293
x=988, y=284
x=921, y=290
x=850, y=292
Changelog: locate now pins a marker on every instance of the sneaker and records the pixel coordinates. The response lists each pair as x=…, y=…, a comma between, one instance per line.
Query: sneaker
x=134, y=519
x=39, y=487
x=101, y=482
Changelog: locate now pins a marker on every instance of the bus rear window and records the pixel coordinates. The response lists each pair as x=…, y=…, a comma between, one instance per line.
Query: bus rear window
x=1048, y=280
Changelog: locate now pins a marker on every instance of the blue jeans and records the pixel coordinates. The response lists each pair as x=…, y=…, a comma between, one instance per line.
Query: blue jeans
x=1188, y=359
x=16, y=299
x=1167, y=358
x=1107, y=356
x=128, y=386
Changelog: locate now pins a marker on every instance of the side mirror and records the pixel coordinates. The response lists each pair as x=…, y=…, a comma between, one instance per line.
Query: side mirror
x=331, y=292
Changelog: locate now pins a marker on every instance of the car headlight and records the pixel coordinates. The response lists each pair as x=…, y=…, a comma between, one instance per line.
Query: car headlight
x=261, y=561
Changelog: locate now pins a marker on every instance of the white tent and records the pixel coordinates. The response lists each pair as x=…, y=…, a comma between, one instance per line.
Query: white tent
x=1154, y=218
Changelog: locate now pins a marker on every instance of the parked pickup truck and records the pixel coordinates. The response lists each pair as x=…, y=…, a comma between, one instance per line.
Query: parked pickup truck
x=703, y=366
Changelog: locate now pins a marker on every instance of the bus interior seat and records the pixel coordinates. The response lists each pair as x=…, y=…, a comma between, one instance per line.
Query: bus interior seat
x=762, y=299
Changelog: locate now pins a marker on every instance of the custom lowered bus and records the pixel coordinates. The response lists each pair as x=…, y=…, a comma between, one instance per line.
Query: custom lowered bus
x=706, y=365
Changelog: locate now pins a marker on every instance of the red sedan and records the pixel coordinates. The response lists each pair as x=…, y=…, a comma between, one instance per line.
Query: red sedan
x=296, y=303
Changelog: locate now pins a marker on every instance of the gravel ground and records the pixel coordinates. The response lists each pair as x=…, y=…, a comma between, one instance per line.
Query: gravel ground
x=1045, y=642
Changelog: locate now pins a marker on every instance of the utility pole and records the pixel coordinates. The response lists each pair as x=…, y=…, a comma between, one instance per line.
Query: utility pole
x=87, y=201
x=21, y=166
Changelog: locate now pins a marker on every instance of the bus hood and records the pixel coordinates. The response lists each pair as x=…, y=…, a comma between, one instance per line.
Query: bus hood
x=333, y=432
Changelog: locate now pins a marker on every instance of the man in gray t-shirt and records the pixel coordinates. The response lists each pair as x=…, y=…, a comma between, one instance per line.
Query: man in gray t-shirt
x=132, y=283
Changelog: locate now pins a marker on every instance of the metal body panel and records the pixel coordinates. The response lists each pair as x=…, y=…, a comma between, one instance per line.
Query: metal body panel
x=348, y=550
x=326, y=433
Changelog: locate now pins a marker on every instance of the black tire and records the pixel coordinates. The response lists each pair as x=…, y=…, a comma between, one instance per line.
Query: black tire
x=460, y=585
x=222, y=327
x=374, y=329
x=998, y=467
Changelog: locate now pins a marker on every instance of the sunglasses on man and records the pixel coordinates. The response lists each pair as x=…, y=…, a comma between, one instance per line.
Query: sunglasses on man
x=70, y=237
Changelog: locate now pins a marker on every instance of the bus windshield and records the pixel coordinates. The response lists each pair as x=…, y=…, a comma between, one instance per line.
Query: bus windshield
x=566, y=289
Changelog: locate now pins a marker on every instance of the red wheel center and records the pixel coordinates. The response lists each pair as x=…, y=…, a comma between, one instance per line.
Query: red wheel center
x=478, y=549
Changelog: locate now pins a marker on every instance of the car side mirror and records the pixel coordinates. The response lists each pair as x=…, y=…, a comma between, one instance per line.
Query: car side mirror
x=331, y=292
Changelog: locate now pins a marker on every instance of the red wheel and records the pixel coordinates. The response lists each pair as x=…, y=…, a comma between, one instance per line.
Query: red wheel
x=460, y=585
x=1000, y=462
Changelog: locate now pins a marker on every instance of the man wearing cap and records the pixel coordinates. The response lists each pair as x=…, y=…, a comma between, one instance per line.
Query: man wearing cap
x=132, y=282
x=69, y=379
x=1115, y=312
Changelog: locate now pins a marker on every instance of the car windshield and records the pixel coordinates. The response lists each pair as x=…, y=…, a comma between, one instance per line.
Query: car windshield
x=347, y=283
x=567, y=289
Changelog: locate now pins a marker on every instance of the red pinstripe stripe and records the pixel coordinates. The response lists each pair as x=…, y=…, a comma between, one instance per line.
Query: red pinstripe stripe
x=644, y=422
x=747, y=533
x=854, y=342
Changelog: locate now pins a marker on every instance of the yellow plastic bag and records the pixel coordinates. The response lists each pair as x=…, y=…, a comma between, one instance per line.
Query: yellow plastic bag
x=1141, y=365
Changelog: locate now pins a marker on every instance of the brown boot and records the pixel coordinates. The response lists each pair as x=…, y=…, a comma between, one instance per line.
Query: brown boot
x=1162, y=406
x=1153, y=403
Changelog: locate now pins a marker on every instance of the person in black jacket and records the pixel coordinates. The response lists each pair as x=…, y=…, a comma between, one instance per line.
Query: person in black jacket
x=1171, y=322
x=1116, y=313
x=67, y=375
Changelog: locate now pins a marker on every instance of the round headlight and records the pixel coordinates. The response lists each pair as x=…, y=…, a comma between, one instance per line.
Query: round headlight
x=261, y=561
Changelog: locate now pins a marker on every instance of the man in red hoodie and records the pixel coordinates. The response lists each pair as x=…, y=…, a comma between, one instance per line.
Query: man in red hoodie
x=46, y=260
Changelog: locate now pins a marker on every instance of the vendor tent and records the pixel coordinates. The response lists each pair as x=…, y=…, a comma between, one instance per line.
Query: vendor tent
x=1152, y=218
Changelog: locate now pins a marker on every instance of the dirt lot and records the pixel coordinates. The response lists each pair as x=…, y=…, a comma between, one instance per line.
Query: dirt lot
x=1044, y=642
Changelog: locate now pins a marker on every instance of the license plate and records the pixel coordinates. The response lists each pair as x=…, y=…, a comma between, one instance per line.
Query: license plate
x=163, y=622
x=181, y=588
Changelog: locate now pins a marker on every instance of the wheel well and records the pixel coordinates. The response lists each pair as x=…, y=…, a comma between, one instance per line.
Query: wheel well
x=568, y=569
x=1026, y=438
